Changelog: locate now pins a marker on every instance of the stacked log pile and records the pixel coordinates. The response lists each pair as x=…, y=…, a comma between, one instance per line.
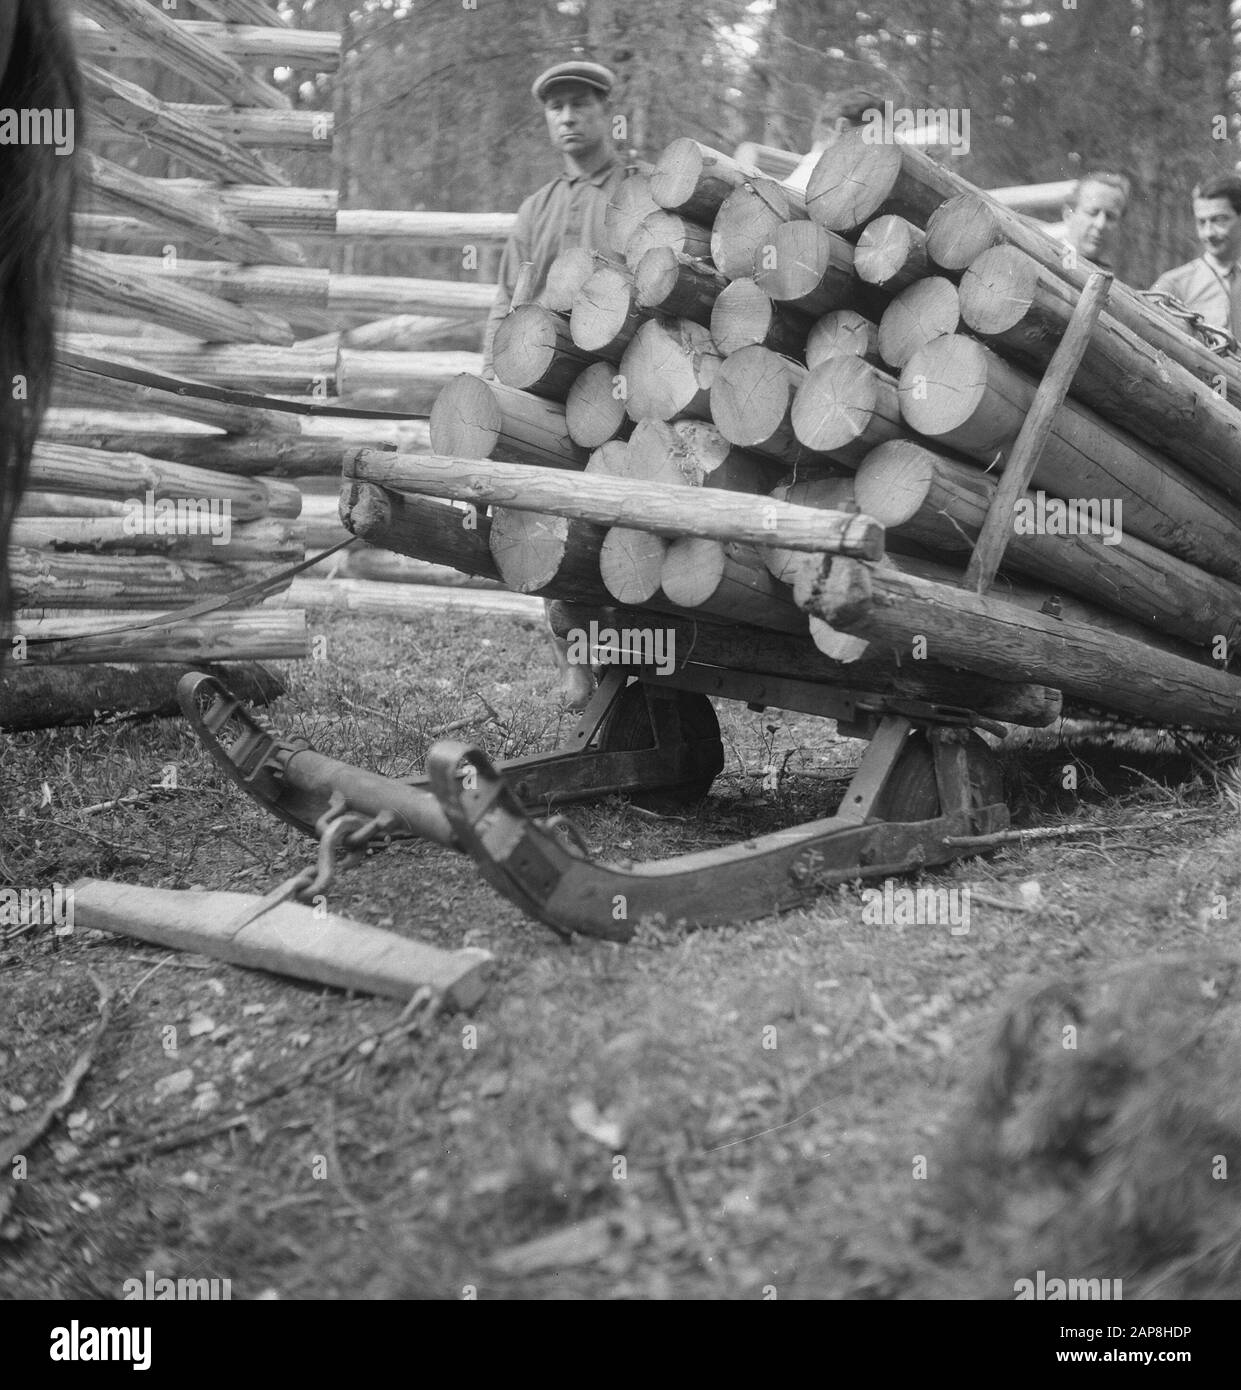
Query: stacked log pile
x=180, y=283
x=870, y=352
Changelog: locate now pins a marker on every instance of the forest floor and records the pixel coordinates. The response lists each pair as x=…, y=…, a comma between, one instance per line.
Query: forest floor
x=754, y=1111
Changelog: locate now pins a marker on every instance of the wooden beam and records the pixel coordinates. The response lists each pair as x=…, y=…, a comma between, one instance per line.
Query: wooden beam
x=308, y=49
x=665, y=509
x=233, y=634
x=1003, y=640
x=289, y=939
x=202, y=220
x=1023, y=460
x=91, y=277
x=137, y=114
x=163, y=39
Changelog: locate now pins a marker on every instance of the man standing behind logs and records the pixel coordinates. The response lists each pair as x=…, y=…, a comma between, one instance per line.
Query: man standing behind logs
x=1093, y=217
x=567, y=212
x=1211, y=285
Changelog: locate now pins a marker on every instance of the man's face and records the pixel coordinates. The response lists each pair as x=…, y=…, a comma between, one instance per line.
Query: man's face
x=577, y=119
x=1219, y=228
x=1094, y=224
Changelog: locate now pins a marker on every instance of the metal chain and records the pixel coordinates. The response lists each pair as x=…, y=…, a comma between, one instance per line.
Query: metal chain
x=1219, y=340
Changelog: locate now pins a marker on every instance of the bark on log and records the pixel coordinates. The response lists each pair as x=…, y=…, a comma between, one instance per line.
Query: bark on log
x=752, y=402
x=745, y=316
x=969, y=223
x=808, y=269
x=668, y=369
x=161, y=38
x=729, y=581
x=287, y=288
x=419, y=527
x=43, y=580
x=693, y=179
x=942, y=503
x=1022, y=311
x=251, y=127
x=291, y=371
x=270, y=539
x=606, y=313
x=53, y=505
x=203, y=223
x=662, y=228
x=879, y=671
x=998, y=638
x=928, y=309
x=73, y=385
x=665, y=510
x=90, y=277
x=594, y=411
x=278, y=456
x=46, y=697
x=844, y=408
x=311, y=49
x=136, y=115
x=747, y=222
x=856, y=180
x=891, y=253
x=237, y=634
x=534, y=351
x=843, y=333
x=473, y=418
x=958, y=391
x=677, y=286
x=124, y=476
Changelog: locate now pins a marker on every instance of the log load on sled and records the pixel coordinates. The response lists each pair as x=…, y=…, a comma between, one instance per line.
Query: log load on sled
x=877, y=454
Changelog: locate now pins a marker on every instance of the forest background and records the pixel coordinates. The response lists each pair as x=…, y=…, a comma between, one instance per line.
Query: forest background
x=433, y=105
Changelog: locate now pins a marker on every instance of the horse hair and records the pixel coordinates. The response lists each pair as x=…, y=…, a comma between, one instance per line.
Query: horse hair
x=36, y=197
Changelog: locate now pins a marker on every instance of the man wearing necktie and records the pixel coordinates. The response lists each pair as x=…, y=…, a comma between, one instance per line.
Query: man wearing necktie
x=1211, y=285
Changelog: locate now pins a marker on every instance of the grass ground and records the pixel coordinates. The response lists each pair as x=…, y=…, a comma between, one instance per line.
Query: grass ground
x=717, y=1114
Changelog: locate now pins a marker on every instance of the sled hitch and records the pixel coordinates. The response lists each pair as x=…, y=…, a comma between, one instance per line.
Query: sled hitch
x=925, y=779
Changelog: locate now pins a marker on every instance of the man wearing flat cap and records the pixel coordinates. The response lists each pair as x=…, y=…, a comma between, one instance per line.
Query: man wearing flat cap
x=566, y=212
x=569, y=210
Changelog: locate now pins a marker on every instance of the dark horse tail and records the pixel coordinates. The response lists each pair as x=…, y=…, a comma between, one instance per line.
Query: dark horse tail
x=39, y=72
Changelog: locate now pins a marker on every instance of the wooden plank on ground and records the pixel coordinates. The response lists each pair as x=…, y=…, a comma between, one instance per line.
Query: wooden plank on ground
x=289, y=939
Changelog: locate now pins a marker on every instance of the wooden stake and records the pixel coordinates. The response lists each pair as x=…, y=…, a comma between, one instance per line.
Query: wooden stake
x=1024, y=458
x=963, y=394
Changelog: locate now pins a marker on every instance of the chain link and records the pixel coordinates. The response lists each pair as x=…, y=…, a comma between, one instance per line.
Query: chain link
x=1219, y=340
